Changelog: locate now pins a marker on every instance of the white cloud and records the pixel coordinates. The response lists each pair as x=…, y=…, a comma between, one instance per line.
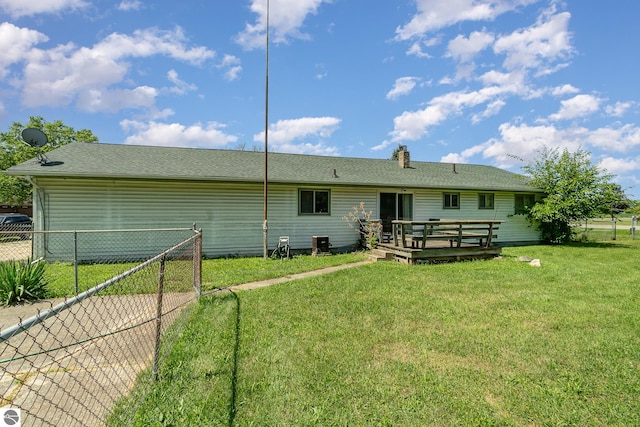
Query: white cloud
x=176, y=134
x=402, y=86
x=538, y=49
x=578, y=106
x=623, y=170
x=127, y=5
x=435, y=14
x=180, y=86
x=620, y=166
x=151, y=42
x=492, y=109
x=15, y=43
x=621, y=138
x=453, y=158
x=465, y=72
x=18, y=8
x=286, y=18
x=417, y=47
x=384, y=144
x=160, y=114
x=522, y=142
x=322, y=73
x=94, y=100
x=283, y=133
x=566, y=89
x=519, y=143
x=413, y=125
x=464, y=49
x=233, y=73
x=90, y=75
x=514, y=79
x=232, y=67
x=619, y=109
x=416, y=50
x=537, y=46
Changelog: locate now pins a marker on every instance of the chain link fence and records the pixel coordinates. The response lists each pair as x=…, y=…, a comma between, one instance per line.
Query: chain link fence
x=69, y=361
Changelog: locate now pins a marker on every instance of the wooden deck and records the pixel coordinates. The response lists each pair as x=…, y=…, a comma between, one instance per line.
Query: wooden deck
x=440, y=240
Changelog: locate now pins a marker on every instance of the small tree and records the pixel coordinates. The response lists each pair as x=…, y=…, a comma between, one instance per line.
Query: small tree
x=396, y=152
x=574, y=188
x=360, y=219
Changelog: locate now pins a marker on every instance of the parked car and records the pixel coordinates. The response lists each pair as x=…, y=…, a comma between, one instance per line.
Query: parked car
x=15, y=222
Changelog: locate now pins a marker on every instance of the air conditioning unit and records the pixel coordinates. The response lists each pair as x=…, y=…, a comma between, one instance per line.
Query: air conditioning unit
x=319, y=245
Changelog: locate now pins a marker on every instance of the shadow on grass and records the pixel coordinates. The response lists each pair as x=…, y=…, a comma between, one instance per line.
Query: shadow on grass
x=234, y=373
x=598, y=244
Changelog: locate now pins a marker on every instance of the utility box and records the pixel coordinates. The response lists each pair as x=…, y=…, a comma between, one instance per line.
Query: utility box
x=319, y=245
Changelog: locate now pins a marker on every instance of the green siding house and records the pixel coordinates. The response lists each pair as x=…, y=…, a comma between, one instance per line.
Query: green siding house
x=111, y=186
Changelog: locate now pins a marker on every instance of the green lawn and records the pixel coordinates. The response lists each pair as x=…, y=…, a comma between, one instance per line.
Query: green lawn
x=216, y=273
x=475, y=343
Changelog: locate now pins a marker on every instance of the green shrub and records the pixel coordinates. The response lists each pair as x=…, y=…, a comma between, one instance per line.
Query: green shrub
x=22, y=281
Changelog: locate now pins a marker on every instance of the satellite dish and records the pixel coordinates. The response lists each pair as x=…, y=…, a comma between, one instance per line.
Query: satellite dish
x=34, y=137
x=37, y=139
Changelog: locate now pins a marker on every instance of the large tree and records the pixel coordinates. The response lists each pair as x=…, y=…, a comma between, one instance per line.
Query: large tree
x=13, y=150
x=574, y=189
x=620, y=202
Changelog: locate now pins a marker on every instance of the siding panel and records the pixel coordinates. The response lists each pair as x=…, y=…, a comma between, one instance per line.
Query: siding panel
x=231, y=214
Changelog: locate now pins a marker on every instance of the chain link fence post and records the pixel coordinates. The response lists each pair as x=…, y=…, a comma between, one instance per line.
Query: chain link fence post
x=75, y=260
x=156, y=353
x=197, y=263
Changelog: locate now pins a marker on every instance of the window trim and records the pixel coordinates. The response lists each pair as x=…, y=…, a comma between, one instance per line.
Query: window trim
x=482, y=201
x=314, y=191
x=448, y=195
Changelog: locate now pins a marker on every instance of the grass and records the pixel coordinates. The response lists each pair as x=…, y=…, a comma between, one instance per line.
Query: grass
x=222, y=272
x=216, y=273
x=476, y=343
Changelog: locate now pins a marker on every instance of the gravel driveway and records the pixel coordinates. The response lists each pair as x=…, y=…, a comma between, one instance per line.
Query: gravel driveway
x=70, y=369
x=14, y=249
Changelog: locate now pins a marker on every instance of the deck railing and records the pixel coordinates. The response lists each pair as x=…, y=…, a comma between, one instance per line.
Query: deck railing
x=416, y=233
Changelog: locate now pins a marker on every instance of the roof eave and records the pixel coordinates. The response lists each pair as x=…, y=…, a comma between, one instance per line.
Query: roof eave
x=274, y=181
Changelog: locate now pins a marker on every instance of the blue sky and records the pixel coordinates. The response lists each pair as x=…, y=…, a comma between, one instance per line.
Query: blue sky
x=466, y=81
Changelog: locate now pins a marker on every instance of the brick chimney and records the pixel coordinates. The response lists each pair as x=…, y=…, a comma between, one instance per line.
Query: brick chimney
x=403, y=157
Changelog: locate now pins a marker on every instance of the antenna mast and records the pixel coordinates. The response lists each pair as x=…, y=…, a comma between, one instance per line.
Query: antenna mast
x=265, y=239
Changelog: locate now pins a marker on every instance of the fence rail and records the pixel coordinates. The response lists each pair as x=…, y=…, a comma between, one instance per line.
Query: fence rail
x=69, y=362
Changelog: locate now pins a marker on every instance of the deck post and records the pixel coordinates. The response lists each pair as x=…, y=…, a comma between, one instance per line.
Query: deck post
x=489, y=235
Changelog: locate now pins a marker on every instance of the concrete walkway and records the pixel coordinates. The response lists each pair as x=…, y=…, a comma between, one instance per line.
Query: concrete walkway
x=90, y=377
x=263, y=283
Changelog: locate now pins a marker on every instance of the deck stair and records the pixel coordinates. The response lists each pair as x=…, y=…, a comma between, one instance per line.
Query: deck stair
x=379, y=254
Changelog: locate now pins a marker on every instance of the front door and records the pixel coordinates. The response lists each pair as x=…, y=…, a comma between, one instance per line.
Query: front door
x=395, y=206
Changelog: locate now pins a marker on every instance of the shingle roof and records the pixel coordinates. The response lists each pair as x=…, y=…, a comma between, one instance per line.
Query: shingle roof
x=160, y=163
